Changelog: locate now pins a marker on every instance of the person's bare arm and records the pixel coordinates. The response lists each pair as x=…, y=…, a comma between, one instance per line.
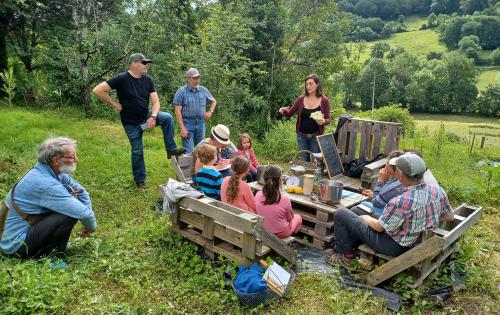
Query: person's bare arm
x=447, y=217
x=102, y=92
x=208, y=114
x=155, y=109
x=373, y=223
x=178, y=117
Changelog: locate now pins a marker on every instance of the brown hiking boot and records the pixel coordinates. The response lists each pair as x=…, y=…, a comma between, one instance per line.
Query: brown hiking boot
x=335, y=259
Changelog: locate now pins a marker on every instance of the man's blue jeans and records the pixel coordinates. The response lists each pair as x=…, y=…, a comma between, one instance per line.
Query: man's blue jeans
x=307, y=143
x=134, y=133
x=196, y=133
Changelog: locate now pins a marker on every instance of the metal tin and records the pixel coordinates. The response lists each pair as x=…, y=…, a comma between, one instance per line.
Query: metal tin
x=330, y=191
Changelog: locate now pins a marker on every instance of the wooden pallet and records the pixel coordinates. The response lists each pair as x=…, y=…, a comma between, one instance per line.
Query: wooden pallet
x=225, y=230
x=427, y=256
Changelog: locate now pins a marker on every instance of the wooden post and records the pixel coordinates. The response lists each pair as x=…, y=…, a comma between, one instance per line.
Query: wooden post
x=472, y=144
x=483, y=138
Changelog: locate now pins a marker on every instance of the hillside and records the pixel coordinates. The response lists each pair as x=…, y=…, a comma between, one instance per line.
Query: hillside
x=422, y=42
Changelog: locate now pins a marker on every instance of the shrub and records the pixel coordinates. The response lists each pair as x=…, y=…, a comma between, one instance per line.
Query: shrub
x=9, y=85
x=392, y=113
x=280, y=143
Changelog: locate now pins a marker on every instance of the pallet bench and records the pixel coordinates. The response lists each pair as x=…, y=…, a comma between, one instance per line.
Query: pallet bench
x=427, y=256
x=225, y=230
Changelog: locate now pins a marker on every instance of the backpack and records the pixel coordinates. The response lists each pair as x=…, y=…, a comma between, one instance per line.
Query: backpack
x=354, y=168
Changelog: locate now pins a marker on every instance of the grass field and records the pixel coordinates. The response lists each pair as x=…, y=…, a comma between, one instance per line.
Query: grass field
x=419, y=42
x=135, y=264
x=488, y=75
x=414, y=22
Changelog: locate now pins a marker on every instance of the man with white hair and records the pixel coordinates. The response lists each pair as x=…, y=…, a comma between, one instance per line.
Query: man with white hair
x=134, y=89
x=404, y=218
x=190, y=103
x=45, y=204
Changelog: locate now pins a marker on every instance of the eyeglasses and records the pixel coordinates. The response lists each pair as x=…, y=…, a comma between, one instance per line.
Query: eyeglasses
x=74, y=157
x=144, y=62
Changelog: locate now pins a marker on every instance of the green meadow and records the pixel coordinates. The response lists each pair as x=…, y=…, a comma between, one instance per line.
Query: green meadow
x=135, y=264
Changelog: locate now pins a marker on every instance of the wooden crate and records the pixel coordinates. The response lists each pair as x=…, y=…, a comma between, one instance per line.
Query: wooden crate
x=427, y=256
x=317, y=217
x=365, y=139
x=226, y=230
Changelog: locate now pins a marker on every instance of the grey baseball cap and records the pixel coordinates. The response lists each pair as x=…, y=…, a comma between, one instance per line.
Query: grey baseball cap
x=410, y=164
x=138, y=57
x=192, y=73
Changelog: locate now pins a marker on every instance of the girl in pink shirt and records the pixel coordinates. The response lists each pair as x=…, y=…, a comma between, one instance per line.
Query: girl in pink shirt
x=276, y=207
x=234, y=190
x=245, y=149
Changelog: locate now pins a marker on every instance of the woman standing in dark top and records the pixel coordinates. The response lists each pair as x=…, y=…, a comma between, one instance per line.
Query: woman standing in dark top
x=308, y=128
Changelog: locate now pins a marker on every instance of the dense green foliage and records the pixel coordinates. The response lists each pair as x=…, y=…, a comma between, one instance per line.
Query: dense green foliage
x=385, y=9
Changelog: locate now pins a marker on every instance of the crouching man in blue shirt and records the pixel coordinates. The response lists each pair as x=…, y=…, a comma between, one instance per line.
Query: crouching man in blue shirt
x=46, y=203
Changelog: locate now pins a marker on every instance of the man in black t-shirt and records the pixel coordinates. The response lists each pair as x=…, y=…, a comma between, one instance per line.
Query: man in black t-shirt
x=134, y=88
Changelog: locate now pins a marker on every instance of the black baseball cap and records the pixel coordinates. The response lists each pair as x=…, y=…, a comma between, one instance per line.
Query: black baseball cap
x=138, y=57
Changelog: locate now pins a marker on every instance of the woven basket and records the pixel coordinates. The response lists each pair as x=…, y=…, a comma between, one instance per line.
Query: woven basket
x=254, y=299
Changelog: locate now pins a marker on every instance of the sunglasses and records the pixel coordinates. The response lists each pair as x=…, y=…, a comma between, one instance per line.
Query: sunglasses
x=144, y=62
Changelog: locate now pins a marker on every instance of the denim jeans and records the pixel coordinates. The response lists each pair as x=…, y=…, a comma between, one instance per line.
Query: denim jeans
x=306, y=143
x=196, y=133
x=134, y=133
x=351, y=231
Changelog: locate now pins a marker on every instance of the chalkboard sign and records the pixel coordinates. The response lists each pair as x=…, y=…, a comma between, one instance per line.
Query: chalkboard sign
x=330, y=155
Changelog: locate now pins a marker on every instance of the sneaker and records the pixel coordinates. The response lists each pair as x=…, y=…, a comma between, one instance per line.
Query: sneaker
x=175, y=152
x=335, y=259
x=142, y=185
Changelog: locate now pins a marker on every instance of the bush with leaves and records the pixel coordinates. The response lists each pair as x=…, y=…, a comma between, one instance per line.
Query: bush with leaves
x=391, y=113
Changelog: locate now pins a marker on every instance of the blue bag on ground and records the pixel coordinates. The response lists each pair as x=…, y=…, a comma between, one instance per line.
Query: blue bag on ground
x=249, y=280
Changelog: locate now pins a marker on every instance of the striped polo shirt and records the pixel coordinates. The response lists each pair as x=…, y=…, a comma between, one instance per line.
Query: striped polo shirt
x=209, y=181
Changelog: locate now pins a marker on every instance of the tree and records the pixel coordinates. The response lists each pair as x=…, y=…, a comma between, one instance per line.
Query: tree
x=7, y=9
x=495, y=56
x=36, y=22
x=451, y=31
x=445, y=6
x=444, y=86
x=470, y=28
x=379, y=49
x=471, y=6
x=401, y=70
x=488, y=102
x=432, y=20
x=374, y=70
x=365, y=8
x=469, y=45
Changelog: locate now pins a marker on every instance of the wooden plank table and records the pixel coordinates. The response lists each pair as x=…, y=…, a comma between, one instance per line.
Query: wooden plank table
x=317, y=217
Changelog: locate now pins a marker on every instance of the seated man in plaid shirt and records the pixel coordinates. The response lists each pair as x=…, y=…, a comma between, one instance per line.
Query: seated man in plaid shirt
x=405, y=217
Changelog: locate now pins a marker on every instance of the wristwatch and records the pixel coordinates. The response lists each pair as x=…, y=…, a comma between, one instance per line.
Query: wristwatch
x=211, y=111
x=153, y=117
